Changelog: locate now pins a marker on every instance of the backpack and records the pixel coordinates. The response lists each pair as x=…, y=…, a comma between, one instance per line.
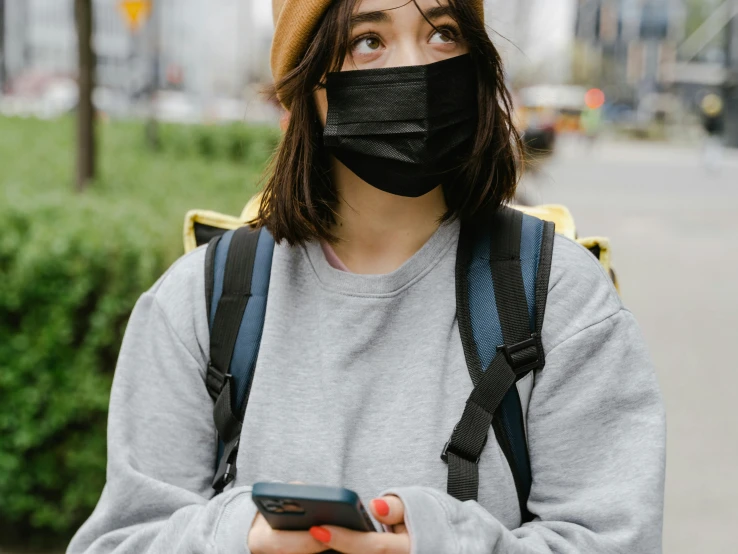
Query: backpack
x=502, y=275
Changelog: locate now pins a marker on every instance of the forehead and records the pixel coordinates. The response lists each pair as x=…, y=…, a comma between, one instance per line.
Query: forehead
x=384, y=5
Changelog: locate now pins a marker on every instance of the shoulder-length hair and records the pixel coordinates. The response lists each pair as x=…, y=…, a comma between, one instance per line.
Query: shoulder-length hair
x=298, y=201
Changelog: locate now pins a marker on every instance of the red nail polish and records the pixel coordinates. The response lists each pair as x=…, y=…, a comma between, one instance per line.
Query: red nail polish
x=320, y=534
x=381, y=507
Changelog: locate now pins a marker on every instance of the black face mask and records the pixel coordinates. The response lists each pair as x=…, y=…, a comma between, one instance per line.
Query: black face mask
x=403, y=130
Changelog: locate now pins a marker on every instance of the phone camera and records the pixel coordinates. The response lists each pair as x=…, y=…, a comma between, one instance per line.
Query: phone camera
x=282, y=506
x=272, y=506
x=292, y=507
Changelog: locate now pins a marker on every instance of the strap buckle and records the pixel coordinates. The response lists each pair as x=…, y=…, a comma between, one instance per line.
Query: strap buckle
x=449, y=448
x=226, y=473
x=216, y=380
x=524, y=356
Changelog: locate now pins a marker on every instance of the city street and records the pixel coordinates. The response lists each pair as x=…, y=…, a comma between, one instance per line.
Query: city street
x=118, y=117
x=674, y=230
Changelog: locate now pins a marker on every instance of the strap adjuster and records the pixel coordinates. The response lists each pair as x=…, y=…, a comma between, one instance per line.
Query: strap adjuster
x=216, y=380
x=448, y=448
x=524, y=356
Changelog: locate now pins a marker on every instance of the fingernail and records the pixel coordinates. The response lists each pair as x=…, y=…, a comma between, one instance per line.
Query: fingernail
x=381, y=507
x=320, y=534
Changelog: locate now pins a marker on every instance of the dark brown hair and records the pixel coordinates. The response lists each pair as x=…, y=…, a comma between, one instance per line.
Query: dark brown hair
x=298, y=202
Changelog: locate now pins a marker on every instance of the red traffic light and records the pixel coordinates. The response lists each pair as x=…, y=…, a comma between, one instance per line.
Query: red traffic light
x=594, y=98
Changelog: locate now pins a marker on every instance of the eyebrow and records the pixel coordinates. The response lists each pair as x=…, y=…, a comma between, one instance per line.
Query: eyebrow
x=382, y=16
x=439, y=12
x=369, y=17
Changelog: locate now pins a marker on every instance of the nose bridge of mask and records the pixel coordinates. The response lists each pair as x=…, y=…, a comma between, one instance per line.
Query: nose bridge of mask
x=401, y=93
x=385, y=102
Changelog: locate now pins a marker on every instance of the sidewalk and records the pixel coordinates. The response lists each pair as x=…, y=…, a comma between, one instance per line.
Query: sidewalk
x=613, y=150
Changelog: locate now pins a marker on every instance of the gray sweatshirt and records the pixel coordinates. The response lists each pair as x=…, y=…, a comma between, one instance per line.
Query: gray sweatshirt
x=359, y=383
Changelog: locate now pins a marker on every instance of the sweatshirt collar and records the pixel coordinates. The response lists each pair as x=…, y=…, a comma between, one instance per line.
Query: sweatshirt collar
x=414, y=269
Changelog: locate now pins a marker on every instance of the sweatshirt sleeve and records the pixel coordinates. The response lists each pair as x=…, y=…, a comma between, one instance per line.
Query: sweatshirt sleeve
x=161, y=449
x=596, y=434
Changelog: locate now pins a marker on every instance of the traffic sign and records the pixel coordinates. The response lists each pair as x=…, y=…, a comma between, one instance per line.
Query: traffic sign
x=135, y=12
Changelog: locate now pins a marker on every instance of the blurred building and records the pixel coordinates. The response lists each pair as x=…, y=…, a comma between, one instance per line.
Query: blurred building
x=731, y=82
x=657, y=54
x=535, y=38
x=202, y=48
x=708, y=60
x=630, y=41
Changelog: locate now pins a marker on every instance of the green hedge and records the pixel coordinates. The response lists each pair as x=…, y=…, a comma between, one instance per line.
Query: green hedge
x=251, y=145
x=70, y=275
x=71, y=268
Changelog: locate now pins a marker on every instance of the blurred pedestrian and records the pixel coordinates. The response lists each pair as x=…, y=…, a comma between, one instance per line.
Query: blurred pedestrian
x=591, y=124
x=387, y=193
x=712, y=112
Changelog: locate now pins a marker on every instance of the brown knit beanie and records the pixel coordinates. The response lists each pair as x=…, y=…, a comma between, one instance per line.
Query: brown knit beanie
x=294, y=22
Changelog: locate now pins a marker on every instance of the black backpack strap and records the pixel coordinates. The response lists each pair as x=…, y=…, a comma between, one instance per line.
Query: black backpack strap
x=502, y=283
x=238, y=267
x=210, y=279
x=521, y=322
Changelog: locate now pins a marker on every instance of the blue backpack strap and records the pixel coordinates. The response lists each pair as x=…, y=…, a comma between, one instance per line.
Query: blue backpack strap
x=238, y=269
x=502, y=283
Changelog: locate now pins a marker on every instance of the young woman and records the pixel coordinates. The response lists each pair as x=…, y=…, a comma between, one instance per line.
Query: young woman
x=361, y=374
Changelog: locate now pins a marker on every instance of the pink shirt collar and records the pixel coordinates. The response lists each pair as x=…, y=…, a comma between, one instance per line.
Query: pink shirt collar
x=332, y=258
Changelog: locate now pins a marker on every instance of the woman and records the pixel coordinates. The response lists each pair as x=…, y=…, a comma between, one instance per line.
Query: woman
x=361, y=372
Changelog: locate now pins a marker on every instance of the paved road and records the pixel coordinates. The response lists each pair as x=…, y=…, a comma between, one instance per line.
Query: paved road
x=674, y=231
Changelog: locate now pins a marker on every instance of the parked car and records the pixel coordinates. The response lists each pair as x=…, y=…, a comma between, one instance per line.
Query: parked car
x=544, y=111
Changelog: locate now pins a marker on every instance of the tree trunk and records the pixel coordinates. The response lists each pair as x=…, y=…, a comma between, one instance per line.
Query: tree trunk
x=85, y=109
x=3, y=55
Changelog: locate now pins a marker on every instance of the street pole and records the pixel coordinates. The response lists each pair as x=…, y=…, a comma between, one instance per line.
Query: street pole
x=3, y=70
x=152, y=126
x=730, y=88
x=85, y=108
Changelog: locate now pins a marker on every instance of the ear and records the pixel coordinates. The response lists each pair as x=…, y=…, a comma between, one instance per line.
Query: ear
x=284, y=121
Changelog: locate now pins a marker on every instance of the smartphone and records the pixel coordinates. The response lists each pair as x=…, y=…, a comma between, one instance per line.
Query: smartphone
x=291, y=507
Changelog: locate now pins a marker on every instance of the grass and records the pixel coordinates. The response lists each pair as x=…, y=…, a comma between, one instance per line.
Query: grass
x=195, y=169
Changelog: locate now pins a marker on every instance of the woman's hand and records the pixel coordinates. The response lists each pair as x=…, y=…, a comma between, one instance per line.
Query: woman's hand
x=388, y=510
x=263, y=539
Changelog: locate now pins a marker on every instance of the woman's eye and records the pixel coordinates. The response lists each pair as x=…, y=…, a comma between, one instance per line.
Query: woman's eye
x=442, y=36
x=367, y=45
